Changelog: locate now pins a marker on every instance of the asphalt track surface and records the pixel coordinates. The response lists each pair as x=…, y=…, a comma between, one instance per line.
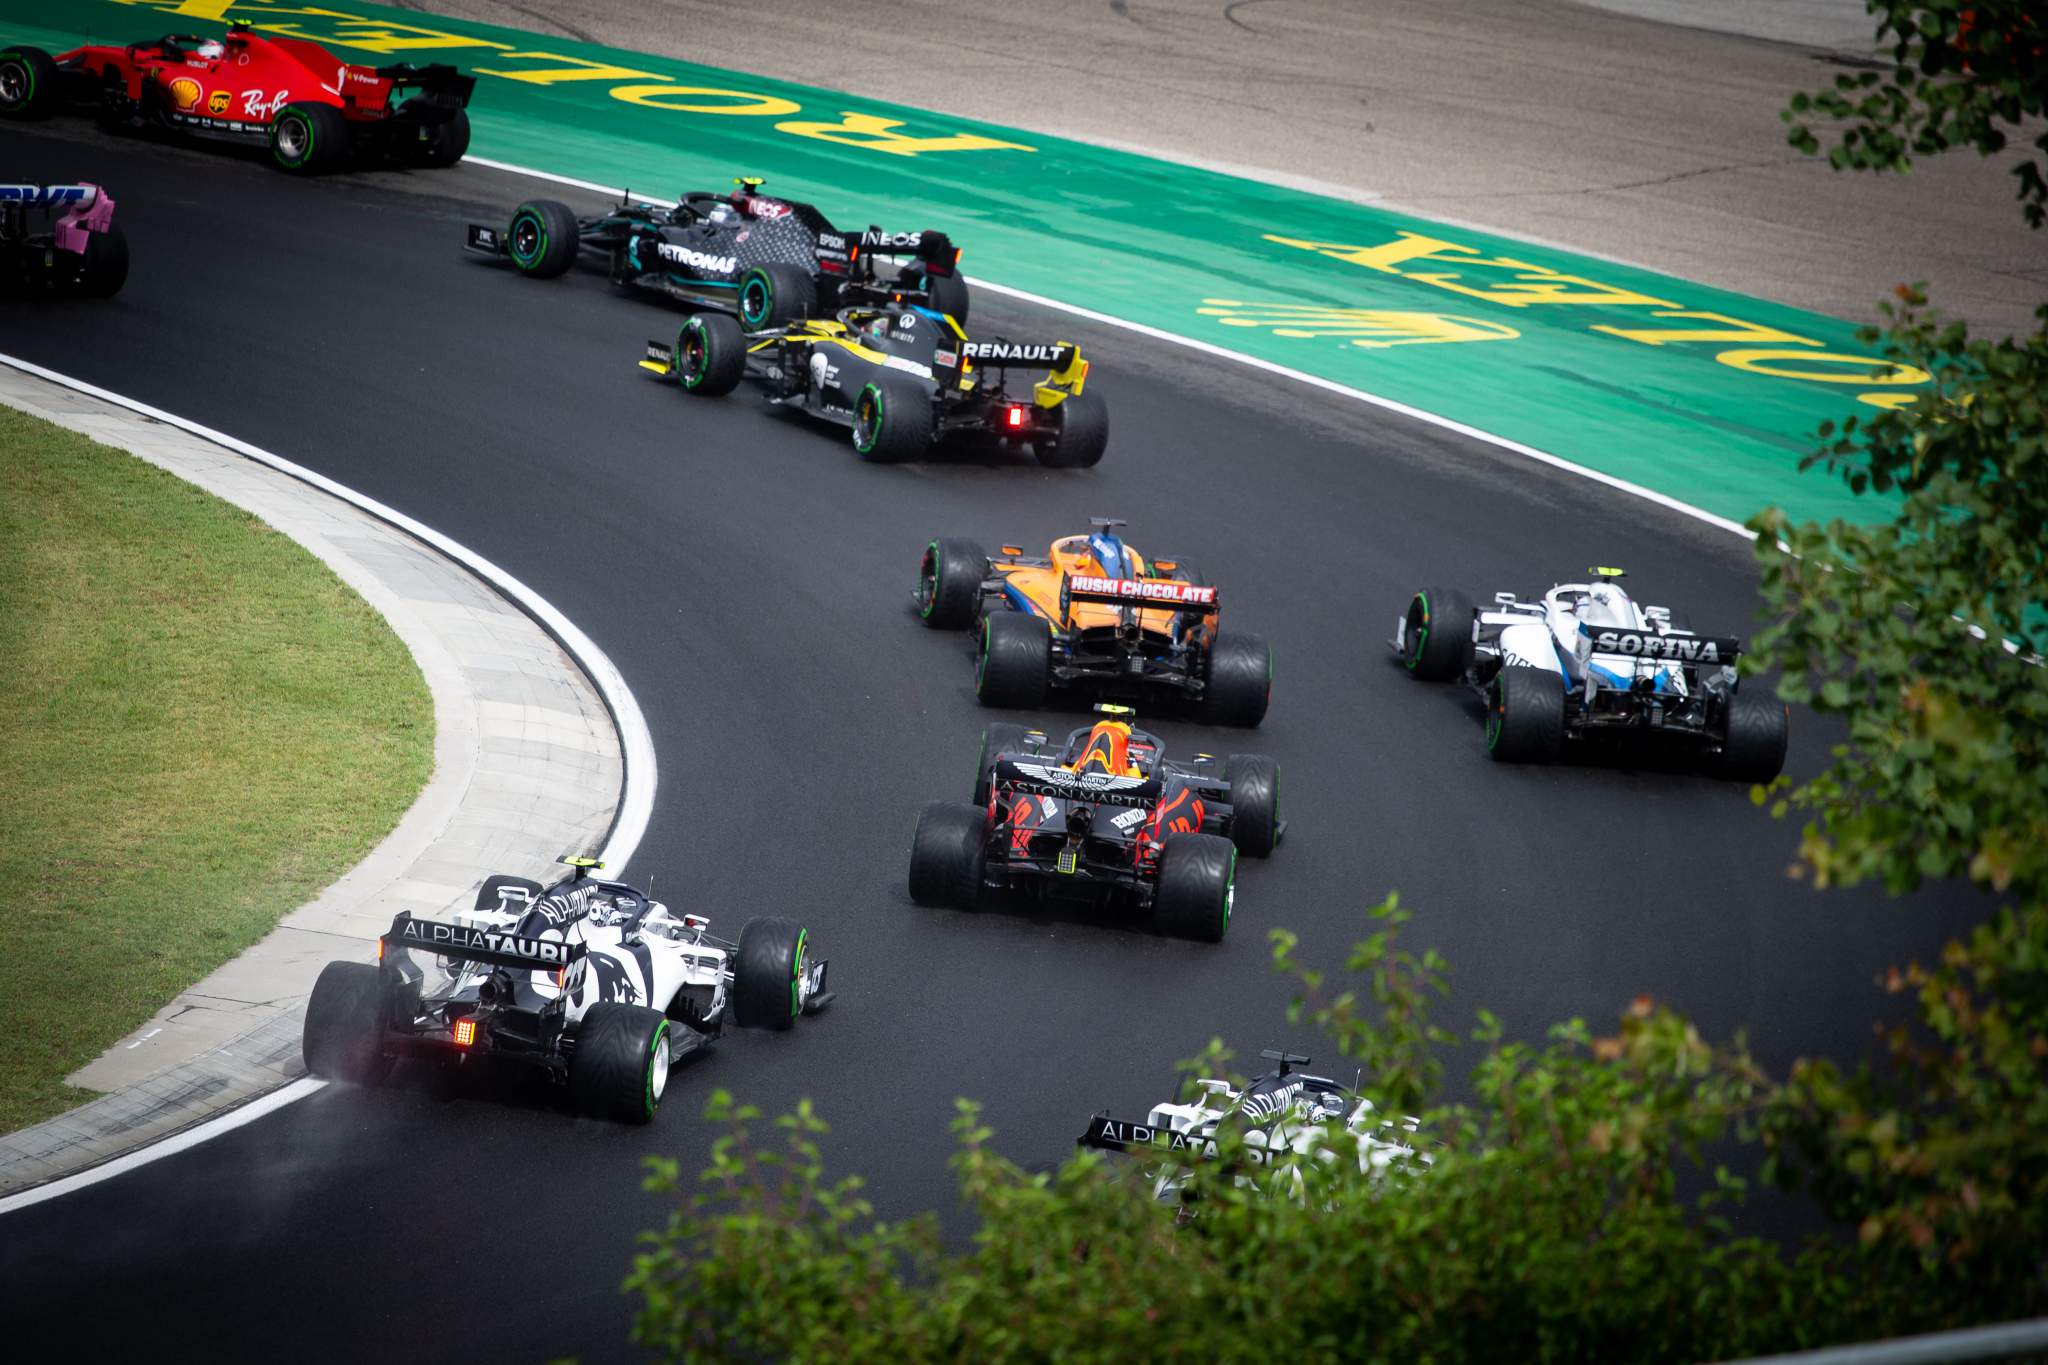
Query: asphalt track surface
x=751, y=579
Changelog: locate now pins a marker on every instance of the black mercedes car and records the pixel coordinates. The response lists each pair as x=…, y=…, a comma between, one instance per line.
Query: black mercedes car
x=764, y=260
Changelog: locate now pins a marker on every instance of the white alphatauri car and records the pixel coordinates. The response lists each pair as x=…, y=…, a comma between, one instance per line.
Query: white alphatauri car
x=1586, y=664
x=1284, y=1116
x=588, y=980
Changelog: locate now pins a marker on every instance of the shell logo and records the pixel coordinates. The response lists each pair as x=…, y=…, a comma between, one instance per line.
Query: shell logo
x=185, y=93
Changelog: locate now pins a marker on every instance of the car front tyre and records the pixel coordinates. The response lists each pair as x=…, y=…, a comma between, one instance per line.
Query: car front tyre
x=711, y=355
x=542, y=238
x=1436, y=635
x=768, y=971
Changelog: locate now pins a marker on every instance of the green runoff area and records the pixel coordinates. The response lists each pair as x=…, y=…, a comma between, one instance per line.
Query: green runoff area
x=204, y=727
x=1706, y=396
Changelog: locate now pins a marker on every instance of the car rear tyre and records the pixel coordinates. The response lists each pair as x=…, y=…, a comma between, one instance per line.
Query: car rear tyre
x=307, y=139
x=997, y=738
x=947, y=855
x=949, y=580
x=892, y=421
x=947, y=294
x=1525, y=715
x=711, y=355
x=542, y=238
x=1197, y=884
x=487, y=897
x=768, y=973
x=619, y=1068
x=772, y=296
x=442, y=144
x=28, y=82
x=1436, y=639
x=1016, y=660
x=1240, y=682
x=1081, y=433
x=1759, y=729
x=343, y=1038
x=1254, y=803
x=104, y=267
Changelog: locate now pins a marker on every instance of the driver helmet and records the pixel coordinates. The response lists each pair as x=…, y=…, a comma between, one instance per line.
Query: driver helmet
x=724, y=215
x=213, y=49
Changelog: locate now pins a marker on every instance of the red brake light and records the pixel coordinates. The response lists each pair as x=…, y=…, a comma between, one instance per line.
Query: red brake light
x=1016, y=417
x=465, y=1032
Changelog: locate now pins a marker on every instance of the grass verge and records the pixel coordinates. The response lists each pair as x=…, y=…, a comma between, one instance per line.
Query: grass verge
x=200, y=727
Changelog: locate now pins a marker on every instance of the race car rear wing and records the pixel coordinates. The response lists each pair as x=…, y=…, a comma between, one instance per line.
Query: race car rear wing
x=470, y=943
x=1108, y=1134
x=935, y=249
x=1163, y=594
x=1653, y=648
x=1001, y=355
x=1046, y=777
x=439, y=85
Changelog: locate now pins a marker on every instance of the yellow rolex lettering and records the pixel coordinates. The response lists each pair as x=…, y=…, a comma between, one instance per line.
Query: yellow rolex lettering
x=876, y=134
x=1888, y=400
x=1868, y=369
x=1730, y=329
x=1534, y=284
x=677, y=98
x=562, y=69
x=372, y=35
x=1390, y=257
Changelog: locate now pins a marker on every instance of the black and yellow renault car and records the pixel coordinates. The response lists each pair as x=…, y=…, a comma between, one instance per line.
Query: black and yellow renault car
x=901, y=375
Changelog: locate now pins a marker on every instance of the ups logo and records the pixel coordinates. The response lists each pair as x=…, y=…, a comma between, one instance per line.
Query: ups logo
x=218, y=103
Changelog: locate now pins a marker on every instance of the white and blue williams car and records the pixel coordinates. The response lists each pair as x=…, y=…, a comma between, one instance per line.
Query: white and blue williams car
x=1586, y=666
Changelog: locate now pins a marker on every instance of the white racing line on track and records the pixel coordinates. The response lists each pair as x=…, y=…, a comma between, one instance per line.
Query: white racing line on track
x=1239, y=357
x=636, y=805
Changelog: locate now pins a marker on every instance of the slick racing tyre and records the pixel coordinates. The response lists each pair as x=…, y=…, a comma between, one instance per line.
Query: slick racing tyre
x=104, y=267
x=947, y=294
x=947, y=855
x=1436, y=635
x=541, y=239
x=1525, y=715
x=711, y=355
x=619, y=1066
x=892, y=420
x=28, y=82
x=1197, y=883
x=1759, y=729
x=442, y=144
x=768, y=972
x=487, y=897
x=999, y=737
x=1016, y=660
x=307, y=139
x=949, y=580
x=343, y=1039
x=1081, y=427
x=1254, y=803
x=1240, y=681
x=772, y=296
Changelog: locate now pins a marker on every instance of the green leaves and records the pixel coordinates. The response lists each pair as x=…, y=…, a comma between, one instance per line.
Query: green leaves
x=1967, y=73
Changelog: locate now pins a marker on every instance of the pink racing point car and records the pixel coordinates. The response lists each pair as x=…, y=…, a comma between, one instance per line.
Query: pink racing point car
x=79, y=252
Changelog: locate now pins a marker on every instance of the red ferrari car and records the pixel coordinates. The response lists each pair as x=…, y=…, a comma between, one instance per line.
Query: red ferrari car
x=315, y=111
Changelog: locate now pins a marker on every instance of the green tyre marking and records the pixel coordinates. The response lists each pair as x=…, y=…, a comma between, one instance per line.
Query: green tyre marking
x=660, y=1041
x=1230, y=889
x=928, y=582
x=874, y=426
x=796, y=973
x=1496, y=713
x=981, y=664
x=1422, y=635
x=690, y=366
x=28, y=72
x=755, y=300
x=540, y=240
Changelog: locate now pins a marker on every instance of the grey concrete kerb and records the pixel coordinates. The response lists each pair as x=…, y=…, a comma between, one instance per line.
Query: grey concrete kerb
x=527, y=765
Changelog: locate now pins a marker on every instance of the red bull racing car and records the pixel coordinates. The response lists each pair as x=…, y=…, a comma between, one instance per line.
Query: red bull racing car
x=314, y=111
x=1104, y=819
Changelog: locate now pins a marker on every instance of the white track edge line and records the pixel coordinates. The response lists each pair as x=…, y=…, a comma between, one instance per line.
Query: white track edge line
x=629, y=824
x=170, y=1146
x=1208, y=348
